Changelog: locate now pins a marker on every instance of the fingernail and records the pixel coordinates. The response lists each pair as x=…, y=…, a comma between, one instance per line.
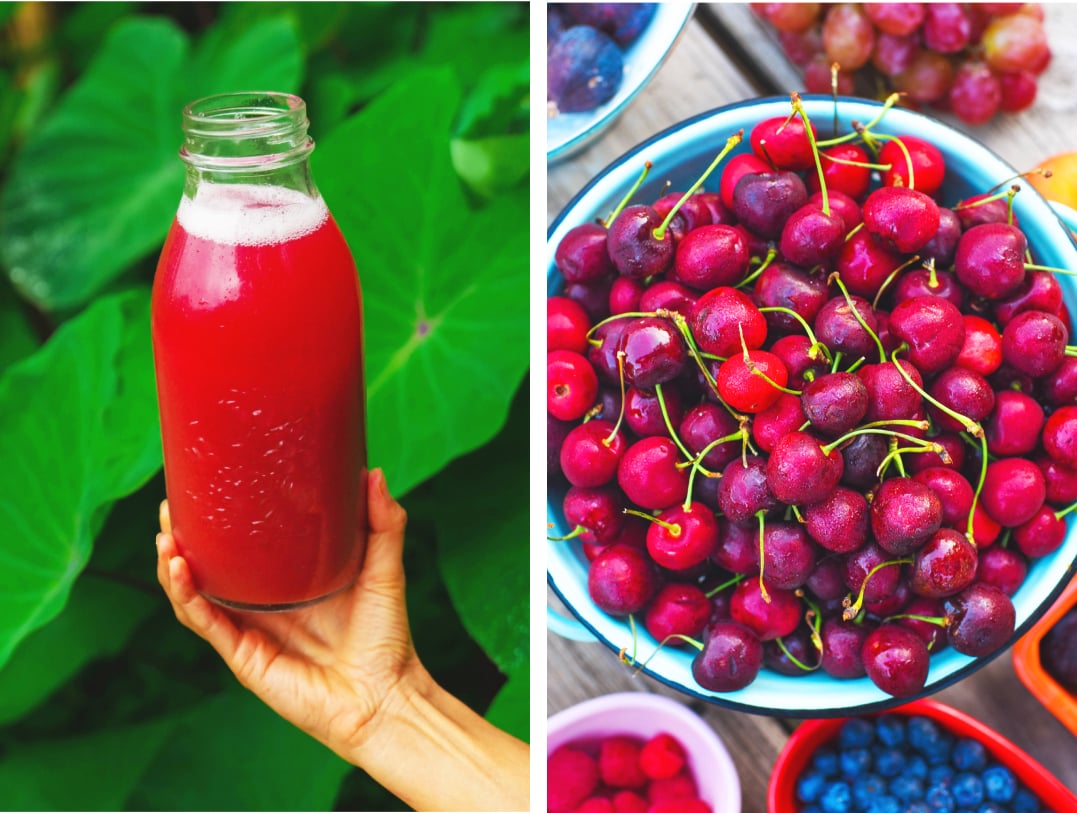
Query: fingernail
x=157, y=542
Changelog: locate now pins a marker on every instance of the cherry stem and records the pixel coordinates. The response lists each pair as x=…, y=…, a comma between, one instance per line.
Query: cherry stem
x=579, y=530
x=893, y=275
x=1061, y=513
x=979, y=489
x=971, y=204
x=814, y=620
x=606, y=441
x=771, y=254
x=760, y=515
x=836, y=279
x=1034, y=267
x=794, y=659
x=798, y=108
x=725, y=585
x=904, y=151
x=871, y=430
x=754, y=369
x=937, y=620
x=624, y=201
x=891, y=100
x=674, y=528
x=971, y=426
x=817, y=347
x=669, y=423
x=852, y=608
x=895, y=453
x=624, y=315
x=731, y=142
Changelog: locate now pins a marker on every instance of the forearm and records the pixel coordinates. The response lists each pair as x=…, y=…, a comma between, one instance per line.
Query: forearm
x=434, y=753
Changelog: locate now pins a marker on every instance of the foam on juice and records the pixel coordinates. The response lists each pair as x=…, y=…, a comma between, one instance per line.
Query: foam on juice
x=250, y=214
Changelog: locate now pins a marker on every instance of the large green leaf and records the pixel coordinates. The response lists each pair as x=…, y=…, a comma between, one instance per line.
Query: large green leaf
x=97, y=621
x=57, y=467
x=97, y=184
x=91, y=772
x=445, y=286
x=17, y=338
x=233, y=753
x=483, y=545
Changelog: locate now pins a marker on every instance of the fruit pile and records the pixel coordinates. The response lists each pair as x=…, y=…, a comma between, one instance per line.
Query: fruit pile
x=622, y=774
x=585, y=45
x=897, y=762
x=815, y=419
x=972, y=59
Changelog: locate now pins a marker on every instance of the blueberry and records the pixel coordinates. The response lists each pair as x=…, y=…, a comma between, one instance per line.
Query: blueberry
x=918, y=807
x=916, y=765
x=1024, y=801
x=837, y=798
x=854, y=761
x=968, y=789
x=825, y=761
x=970, y=755
x=890, y=729
x=856, y=733
x=940, y=776
x=923, y=732
x=810, y=786
x=940, y=799
x=866, y=787
x=889, y=761
x=907, y=788
x=992, y=807
x=884, y=804
x=999, y=783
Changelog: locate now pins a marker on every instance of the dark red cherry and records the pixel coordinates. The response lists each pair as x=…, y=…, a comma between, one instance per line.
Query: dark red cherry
x=711, y=256
x=990, y=259
x=981, y=619
x=654, y=351
x=621, y=580
x=946, y=564
x=904, y=514
x=633, y=247
x=801, y=472
x=901, y=217
x=730, y=659
x=582, y=256
x=896, y=659
x=933, y=329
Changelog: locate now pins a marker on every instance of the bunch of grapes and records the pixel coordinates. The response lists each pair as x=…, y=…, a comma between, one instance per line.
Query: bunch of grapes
x=971, y=59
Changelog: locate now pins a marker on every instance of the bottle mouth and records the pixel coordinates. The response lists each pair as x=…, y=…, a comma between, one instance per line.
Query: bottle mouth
x=244, y=130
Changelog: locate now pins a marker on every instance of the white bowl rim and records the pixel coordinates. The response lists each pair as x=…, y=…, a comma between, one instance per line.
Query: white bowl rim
x=786, y=699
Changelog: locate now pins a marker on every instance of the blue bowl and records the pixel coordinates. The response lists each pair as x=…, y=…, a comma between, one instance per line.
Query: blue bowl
x=680, y=154
x=569, y=133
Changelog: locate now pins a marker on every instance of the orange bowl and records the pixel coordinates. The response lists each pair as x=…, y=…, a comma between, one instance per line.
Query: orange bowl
x=809, y=735
x=1026, y=662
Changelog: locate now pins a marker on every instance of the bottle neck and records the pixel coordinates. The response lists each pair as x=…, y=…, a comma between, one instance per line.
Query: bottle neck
x=252, y=138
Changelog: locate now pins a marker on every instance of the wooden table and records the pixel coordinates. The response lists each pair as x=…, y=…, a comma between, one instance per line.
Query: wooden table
x=725, y=56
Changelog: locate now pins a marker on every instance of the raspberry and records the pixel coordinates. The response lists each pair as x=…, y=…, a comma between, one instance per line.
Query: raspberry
x=662, y=757
x=680, y=786
x=571, y=776
x=628, y=801
x=596, y=804
x=619, y=762
x=694, y=805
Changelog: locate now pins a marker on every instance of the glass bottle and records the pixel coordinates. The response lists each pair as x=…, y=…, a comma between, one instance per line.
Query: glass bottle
x=257, y=336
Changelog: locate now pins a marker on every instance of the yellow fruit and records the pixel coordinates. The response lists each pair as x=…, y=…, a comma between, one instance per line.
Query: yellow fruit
x=1061, y=186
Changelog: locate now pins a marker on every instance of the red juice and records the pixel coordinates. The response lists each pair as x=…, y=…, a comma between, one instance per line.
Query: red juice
x=258, y=352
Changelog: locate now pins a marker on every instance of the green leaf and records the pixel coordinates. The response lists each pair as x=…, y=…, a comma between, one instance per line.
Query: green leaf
x=233, y=753
x=484, y=553
x=498, y=104
x=473, y=36
x=17, y=339
x=98, y=770
x=97, y=184
x=97, y=622
x=511, y=709
x=55, y=475
x=492, y=166
x=444, y=286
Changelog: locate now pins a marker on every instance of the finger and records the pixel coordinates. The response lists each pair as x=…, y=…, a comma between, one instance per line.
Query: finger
x=197, y=613
x=164, y=518
x=386, y=521
x=166, y=549
x=385, y=515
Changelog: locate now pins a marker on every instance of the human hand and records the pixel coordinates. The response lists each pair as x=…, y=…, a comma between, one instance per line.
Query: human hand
x=327, y=668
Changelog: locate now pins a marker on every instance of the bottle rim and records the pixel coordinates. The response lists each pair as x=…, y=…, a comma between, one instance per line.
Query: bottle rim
x=241, y=130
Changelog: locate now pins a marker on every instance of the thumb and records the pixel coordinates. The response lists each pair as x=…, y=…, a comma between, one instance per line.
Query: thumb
x=386, y=521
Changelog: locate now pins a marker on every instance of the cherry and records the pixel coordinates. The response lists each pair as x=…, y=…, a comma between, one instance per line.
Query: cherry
x=890, y=395
x=677, y=609
x=1013, y=491
x=933, y=329
x=1060, y=436
x=767, y=610
x=792, y=656
x=633, y=246
x=625, y=294
x=1059, y=387
x=844, y=170
x=904, y=514
x=779, y=419
x=738, y=547
x=582, y=256
x=841, y=205
x=593, y=295
x=861, y=458
x=835, y=403
x=783, y=142
x=591, y=452
x=812, y=237
x=1013, y=428
x=725, y=318
x=990, y=259
x=1040, y=291
x=901, y=217
x=737, y=167
x=762, y=202
x=597, y=512
x=920, y=615
x=730, y=658
x=1060, y=479
x=788, y=555
x=847, y=326
x=963, y=391
x=691, y=214
x=842, y=644
x=751, y=381
x=944, y=565
x=743, y=490
x=800, y=471
x=896, y=659
x=556, y=432
x=982, y=350
x=801, y=358
x=981, y=619
x=839, y=522
x=984, y=208
x=567, y=324
x=1034, y=342
x=1002, y=567
x=621, y=580
x=865, y=263
x=602, y=354
x=928, y=281
x=704, y=424
x=667, y=295
x=927, y=171
x=953, y=490
x=650, y=476
x=643, y=411
x=682, y=536
x=654, y=351
x=781, y=285
x=571, y=385
x=1042, y=534
x=940, y=249
x=711, y=256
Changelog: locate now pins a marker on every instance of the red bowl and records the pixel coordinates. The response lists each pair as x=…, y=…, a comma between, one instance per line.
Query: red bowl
x=1026, y=663
x=794, y=758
